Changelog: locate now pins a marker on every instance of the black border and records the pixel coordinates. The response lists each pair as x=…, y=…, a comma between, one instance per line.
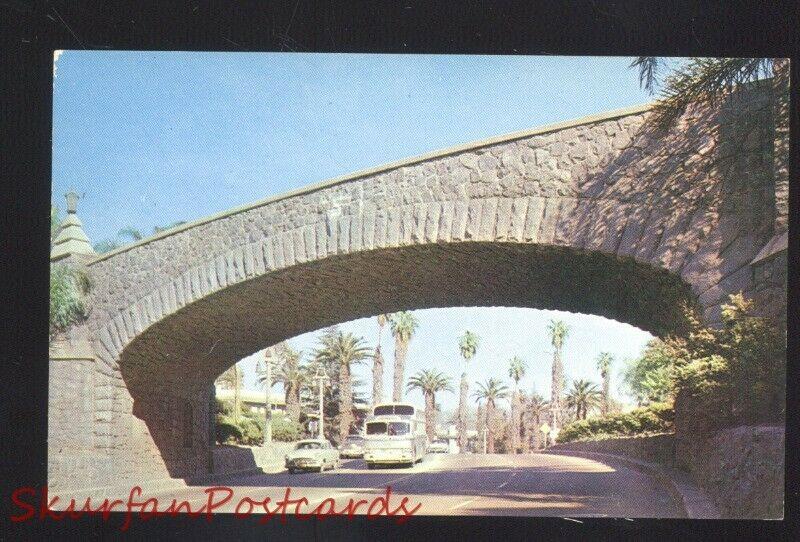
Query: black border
x=32, y=30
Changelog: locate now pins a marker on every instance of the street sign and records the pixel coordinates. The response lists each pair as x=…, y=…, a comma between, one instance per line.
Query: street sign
x=544, y=428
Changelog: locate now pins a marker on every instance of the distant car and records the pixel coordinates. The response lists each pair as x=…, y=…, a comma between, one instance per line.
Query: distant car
x=353, y=446
x=312, y=454
x=439, y=446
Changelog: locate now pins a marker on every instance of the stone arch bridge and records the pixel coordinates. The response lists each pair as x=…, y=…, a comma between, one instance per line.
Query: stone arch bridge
x=601, y=215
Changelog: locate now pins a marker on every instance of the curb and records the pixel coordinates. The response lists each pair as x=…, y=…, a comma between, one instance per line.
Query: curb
x=695, y=503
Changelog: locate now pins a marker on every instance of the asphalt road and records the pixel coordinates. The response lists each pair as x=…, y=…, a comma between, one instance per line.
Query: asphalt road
x=468, y=484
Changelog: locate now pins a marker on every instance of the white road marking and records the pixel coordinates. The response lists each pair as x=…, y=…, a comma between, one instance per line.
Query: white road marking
x=575, y=520
x=464, y=503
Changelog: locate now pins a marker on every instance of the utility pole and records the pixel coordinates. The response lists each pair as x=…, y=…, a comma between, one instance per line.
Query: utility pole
x=321, y=378
x=268, y=398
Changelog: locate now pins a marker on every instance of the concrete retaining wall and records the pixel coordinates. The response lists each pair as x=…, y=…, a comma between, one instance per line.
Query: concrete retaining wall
x=234, y=459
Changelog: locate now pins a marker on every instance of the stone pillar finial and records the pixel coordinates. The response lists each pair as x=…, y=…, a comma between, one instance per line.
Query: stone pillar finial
x=72, y=201
x=71, y=239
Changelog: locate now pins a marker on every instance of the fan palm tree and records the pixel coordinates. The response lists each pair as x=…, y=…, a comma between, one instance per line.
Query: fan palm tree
x=583, y=396
x=430, y=382
x=558, y=333
x=699, y=80
x=131, y=233
x=536, y=407
x=291, y=374
x=604, y=362
x=516, y=370
x=377, y=364
x=467, y=345
x=490, y=392
x=343, y=350
x=403, y=325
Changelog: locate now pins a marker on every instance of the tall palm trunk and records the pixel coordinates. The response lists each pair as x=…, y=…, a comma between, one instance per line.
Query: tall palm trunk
x=606, y=386
x=430, y=416
x=537, y=442
x=557, y=388
x=461, y=422
x=293, y=401
x=524, y=424
x=490, y=426
x=377, y=375
x=514, y=420
x=400, y=351
x=345, y=401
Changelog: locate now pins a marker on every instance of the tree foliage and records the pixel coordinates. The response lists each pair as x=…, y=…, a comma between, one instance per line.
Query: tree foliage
x=697, y=80
x=67, y=288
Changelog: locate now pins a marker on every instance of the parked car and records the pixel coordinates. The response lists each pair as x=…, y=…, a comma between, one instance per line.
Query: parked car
x=439, y=446
x=353, y=446
x=312, y=454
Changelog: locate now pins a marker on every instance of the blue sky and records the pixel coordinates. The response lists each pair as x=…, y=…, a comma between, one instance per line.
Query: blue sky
x=155, y=137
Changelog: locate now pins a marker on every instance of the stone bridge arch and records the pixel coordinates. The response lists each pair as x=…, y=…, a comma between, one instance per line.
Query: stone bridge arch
x=602, y=215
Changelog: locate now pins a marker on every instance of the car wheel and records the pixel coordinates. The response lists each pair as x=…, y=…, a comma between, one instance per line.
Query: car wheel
x=291, y=471
x=370, y=466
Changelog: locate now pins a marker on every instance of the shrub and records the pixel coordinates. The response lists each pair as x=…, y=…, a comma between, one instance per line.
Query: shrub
x=66, y=289
x=656, y=418
x=285, y=430
x=228, y=432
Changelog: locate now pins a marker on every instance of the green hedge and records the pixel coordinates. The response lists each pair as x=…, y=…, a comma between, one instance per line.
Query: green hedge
x=250, y=429
x=656, y=418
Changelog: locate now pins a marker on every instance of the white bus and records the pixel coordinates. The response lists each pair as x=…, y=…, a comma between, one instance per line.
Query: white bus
x=394, y=433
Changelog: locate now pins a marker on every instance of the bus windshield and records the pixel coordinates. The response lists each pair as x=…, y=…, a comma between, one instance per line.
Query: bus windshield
x=403, y=410
x=391, y=428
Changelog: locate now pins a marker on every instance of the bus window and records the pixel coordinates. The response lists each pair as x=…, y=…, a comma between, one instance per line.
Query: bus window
x=398, y=428
x=403, y=410
x=376, y=428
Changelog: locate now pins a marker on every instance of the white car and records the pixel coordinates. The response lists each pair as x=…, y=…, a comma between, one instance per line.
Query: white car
x=439, y=446
x=312, y=454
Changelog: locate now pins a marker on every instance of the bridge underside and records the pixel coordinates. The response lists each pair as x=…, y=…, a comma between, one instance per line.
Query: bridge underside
x=169, y=369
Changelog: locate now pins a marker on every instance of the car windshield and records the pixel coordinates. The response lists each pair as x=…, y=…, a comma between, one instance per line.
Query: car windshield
x=308, y=446
x=440, y=441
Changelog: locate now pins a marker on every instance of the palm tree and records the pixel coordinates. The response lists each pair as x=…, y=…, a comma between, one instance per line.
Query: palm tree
x=403, y=326
x=468, y=345
x=377, y=365
x=700, y=80
x=343, y=350
x=516, y=370
x=479, y=423
x=604, y=361
x=429, y=382
x=583, y=396
x=292, y=375
x=131, y=233
x=490, y=392
x=536, y=408
x=558, y=333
